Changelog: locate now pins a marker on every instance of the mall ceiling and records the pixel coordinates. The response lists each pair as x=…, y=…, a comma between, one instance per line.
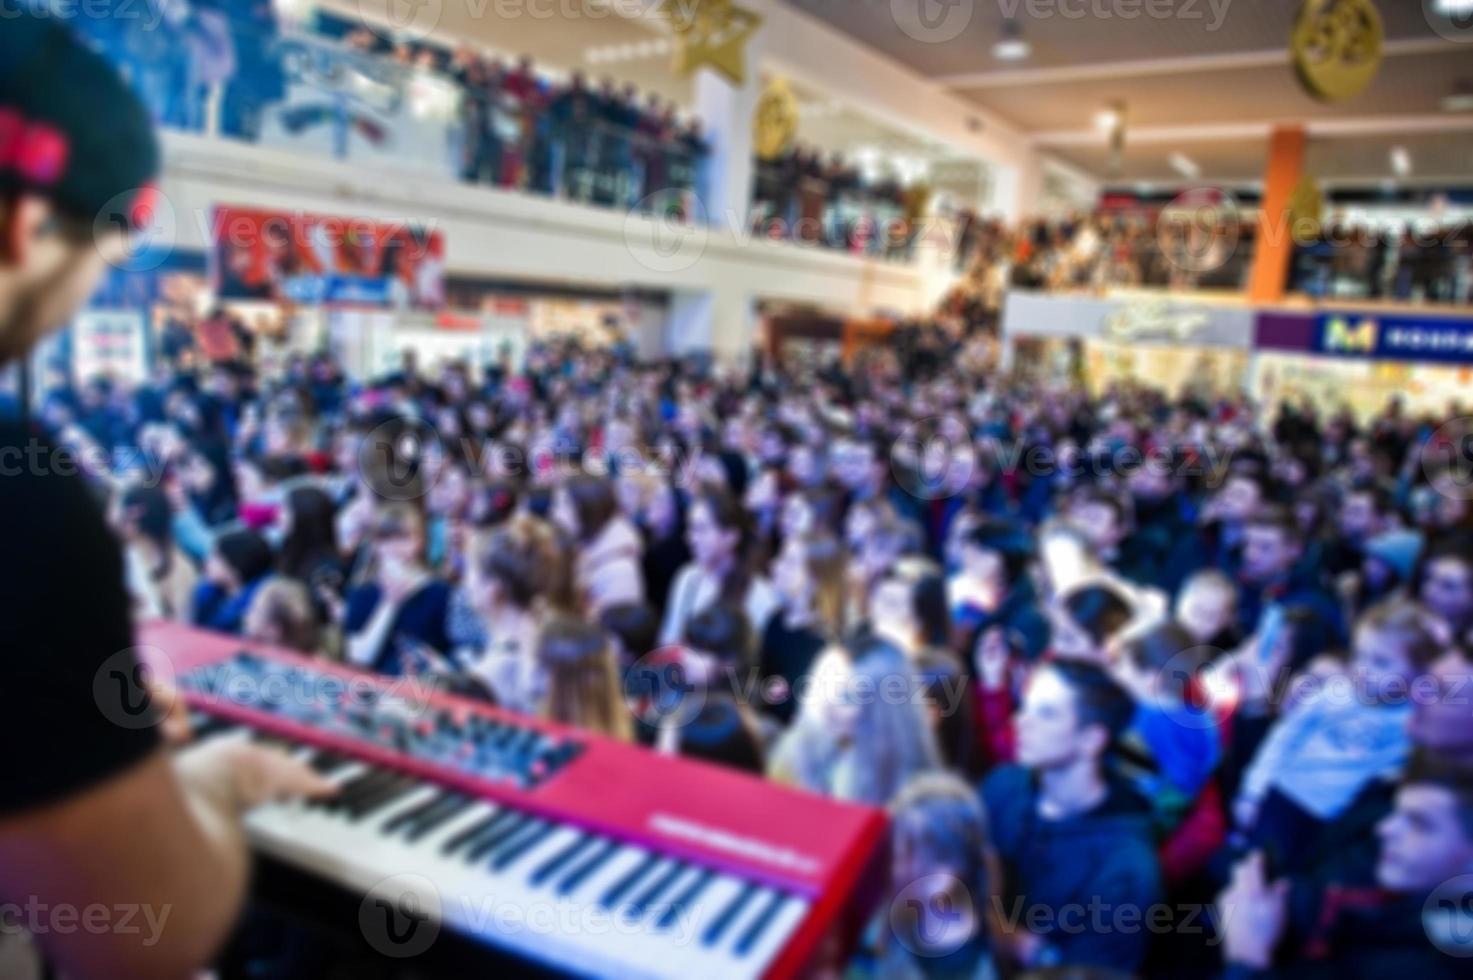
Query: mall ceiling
x=1207, y=82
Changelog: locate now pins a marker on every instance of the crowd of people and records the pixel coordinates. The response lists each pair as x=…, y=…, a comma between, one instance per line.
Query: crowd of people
x=1165, y=687
x=1212, y=248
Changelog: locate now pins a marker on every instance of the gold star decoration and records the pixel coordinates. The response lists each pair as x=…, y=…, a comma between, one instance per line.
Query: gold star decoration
x=1337, y=47
x=712, y=34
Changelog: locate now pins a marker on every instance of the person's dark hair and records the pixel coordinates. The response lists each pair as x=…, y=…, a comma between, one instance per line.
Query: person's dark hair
x=527, y=562
x=1449, y=773
x=1409, y=623
x=722, y=631
x=1098, y=699
x=721, y=734
x=1279, y=518
x=1011, y=543
x=593, y=501
x=1159, y=651
x=1101, y=611
x=313, y=535
x=247, y=554
x=943, y=678
x=729, y=515
x=147, y=507
x=635, y=624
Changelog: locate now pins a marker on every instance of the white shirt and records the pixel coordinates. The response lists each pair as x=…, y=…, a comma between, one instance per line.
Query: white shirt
x=694, y=590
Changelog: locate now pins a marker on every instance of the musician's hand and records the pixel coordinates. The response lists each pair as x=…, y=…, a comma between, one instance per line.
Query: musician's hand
x=174, y=726
x=243, y=775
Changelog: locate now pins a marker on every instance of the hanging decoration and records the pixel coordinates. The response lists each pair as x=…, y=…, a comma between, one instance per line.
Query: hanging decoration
x=712, y=34
x=776, y=122
x=1336, y=47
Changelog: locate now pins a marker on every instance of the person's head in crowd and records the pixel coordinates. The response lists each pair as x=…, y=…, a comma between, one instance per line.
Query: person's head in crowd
x=809, y=511
x=79, y=147
x=206, y=478
x=237, y=559
x=309, y=532
x=1445, y=584
x=863, y=518
x=940, y=854
x=1158, y=665
x=718, y=645
x=806, y=466
x=716, y=529
x=808, y=574
x=1365, y=511
x=1272, y=546
x=582, y=678
x=1207, y=608
x=583, y=505
x=1427, y=839
x=721, y=732
x=1447, y=506
x=1389, y=561
x=400, y=540
x=907, y=606
x=994, y=553
x=633, y=630
x=890, y=739
x=143, y=516
x=1072, y=715
x=519, y=568
x=1102, y=519
x=281, y=614
x=943, y=682
x=1239, y=498
x=1393, y=645
x=492, y=503
x=1442, y=717
x=1085, y=621
x=860, y=466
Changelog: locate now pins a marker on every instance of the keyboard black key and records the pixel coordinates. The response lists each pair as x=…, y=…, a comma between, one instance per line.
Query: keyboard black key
x=514, y=849
x=408, y=817
x=685, y=899
x=759, y=925
x=325, y=761
x=488, y=841
x=395, y=790
x=363, y=783
x=472, y=832
x=580, y=873
x=560, y=860
x=652, y=893
x=728, y=915
x=454, y=808
x=620, y=888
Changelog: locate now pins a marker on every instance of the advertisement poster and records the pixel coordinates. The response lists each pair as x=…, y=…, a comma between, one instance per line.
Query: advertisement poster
x=316, y=260
x=110, y=344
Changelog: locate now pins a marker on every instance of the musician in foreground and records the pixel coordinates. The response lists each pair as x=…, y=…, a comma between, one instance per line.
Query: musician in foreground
x=96, y=811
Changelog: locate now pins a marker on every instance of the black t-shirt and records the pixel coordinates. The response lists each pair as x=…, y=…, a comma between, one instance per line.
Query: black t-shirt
x=73, y=712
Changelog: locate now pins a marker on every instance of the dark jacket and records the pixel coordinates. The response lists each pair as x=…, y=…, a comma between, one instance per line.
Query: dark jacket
x=1085, y=872
x=420, y=620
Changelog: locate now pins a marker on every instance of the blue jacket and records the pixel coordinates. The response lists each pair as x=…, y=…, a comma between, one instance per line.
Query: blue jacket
x=421, y=620
x=1087, y=883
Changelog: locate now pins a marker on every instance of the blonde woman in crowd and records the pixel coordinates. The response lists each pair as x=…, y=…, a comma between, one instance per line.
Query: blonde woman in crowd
x=582, y=678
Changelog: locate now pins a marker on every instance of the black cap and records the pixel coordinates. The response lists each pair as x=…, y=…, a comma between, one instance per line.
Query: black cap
x=71, y=130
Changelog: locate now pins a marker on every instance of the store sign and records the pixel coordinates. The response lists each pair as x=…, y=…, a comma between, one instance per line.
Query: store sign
x=1376, y=336
x=1130, y=319
x=109, y=344
x=313, y=260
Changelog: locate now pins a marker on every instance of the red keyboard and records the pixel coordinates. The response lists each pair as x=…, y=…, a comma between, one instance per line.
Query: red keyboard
x=645, y=864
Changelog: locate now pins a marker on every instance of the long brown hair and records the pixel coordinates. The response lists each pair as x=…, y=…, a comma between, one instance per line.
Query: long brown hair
x=826, y=561
x=582, y=678
x=527, y=560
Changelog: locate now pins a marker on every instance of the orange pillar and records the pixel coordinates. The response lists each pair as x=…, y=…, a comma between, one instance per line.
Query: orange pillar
x=1274, y=249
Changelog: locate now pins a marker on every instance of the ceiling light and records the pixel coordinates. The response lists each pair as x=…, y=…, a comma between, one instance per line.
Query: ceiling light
x=1452, y=8
x=1011, y=46
x=1401, y=161
x=1107, y=119
x=1184, y=165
